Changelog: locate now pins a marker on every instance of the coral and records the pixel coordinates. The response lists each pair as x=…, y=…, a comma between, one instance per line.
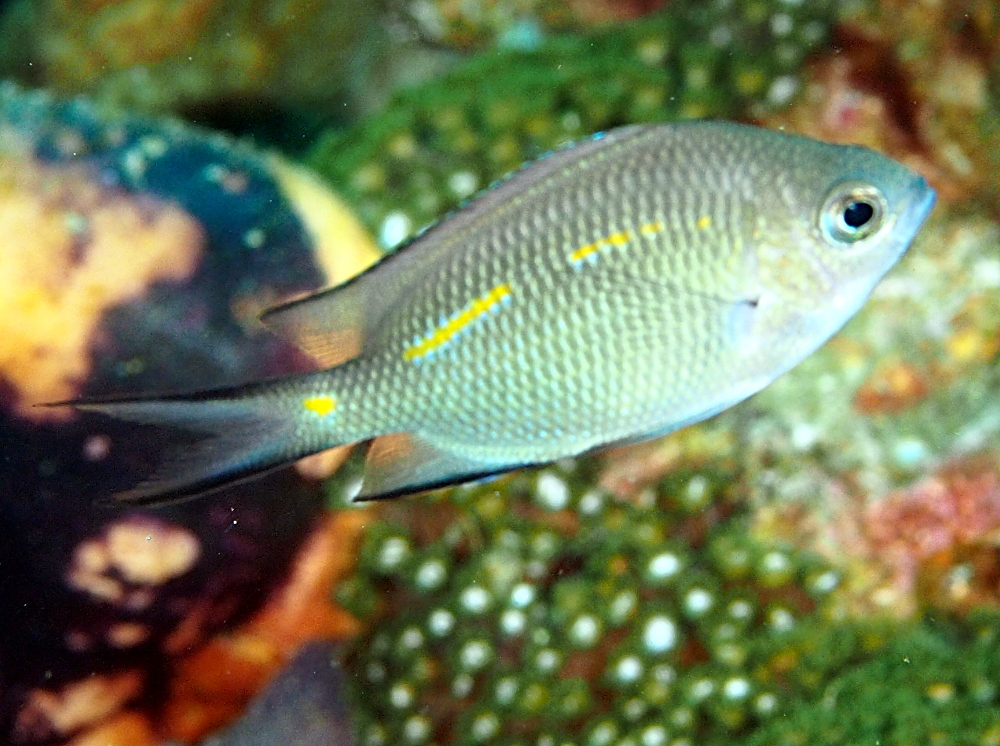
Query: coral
x=305, y=705
x=930, y=545
x=910, y=384
x=62, y=711
x=935, y=683
x=911, y=80
x=438, y=143
x=137, y=252
x=61, y=272
x=161, y=56
x=131, y=728
x=540, y=607
x=212, y=685
x=512, y=23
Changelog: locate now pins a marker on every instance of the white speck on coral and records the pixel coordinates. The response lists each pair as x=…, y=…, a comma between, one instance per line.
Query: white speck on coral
x=665, y=565
x=475, y=600
x=591, y=502
x=462, y=685
x=474, y=654
x=394, y=551
x=513, y=622
x=740, y=609
x=584, y=630
x=697, y=488
x=660, y=634
x=736, y=688
x=463, y=183
x=782, y=620
x=782, y=90
x=553, y=492
x=702, y=689
x=629, y=669
x=720, y=36
x=766, y=703
x=776, y=562
x=826, y=582
x=401, y=696
x=522, y=595
x=781, y=24
x=440, y=622
x=654, y=735
x=417, y=728
x=396, y=227
x=431, y=574
x=411, y=639
x=804, y=436
x=698, y=601
x=254, y=238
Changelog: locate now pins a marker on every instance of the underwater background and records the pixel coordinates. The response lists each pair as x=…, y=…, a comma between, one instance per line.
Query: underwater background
x=820, y=564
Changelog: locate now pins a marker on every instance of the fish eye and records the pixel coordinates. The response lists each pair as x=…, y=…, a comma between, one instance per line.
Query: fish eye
x=853, y=212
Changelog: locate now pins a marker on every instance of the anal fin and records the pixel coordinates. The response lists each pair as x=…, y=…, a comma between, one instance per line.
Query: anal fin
x=403, y=463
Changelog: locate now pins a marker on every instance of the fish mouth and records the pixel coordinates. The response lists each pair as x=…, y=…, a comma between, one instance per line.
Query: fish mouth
x=920, y=207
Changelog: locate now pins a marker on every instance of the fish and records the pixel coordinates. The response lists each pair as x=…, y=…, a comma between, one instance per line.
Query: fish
x=612, y=291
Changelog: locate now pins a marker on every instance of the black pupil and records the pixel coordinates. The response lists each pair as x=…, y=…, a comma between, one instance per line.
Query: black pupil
x=857, y=214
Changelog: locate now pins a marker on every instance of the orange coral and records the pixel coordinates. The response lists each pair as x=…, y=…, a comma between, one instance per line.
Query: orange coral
x=214, y=684
x=126, y=728
x=61, y=712
x=73, y=249
x=892, y=387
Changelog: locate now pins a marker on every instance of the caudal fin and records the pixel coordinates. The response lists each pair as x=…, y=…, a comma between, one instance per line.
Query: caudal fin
x=211, y=439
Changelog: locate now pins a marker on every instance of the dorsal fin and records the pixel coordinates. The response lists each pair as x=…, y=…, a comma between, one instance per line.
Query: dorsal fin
x=338, y=324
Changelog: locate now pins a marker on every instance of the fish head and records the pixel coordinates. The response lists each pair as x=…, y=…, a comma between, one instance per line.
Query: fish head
x=831, y=222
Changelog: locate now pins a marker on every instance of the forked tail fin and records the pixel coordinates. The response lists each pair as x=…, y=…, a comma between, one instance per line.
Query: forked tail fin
x=212, y=438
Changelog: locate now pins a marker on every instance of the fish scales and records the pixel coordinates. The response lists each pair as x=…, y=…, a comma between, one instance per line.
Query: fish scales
x=614, y=290
x=570, y=316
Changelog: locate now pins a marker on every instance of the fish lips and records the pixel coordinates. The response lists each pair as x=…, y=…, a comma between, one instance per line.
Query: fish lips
x=916, y=213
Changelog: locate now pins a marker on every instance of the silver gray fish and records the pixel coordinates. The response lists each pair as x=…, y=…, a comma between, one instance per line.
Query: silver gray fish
x=615, y=290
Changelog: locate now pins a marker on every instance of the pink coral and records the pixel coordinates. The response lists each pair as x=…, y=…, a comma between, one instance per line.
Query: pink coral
x=901, y=537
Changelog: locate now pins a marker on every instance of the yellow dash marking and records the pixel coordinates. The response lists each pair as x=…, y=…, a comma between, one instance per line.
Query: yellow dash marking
x=589, y=249
x=703, y=222
x=583, y=252
x=447, y=331
x=320, y=405
x=615, y=239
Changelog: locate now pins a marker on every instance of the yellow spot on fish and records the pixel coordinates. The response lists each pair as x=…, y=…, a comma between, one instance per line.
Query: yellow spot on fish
x=452, y=327
x=320, y=405
x=589, y=251
x=704, y=222
x=582, y=253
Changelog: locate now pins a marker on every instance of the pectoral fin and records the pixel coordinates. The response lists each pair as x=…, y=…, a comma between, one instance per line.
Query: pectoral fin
x=403, y=463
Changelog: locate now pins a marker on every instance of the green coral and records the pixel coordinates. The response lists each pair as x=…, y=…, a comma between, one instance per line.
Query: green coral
x=932, y=683
x=438, y=143
x=538, y=608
